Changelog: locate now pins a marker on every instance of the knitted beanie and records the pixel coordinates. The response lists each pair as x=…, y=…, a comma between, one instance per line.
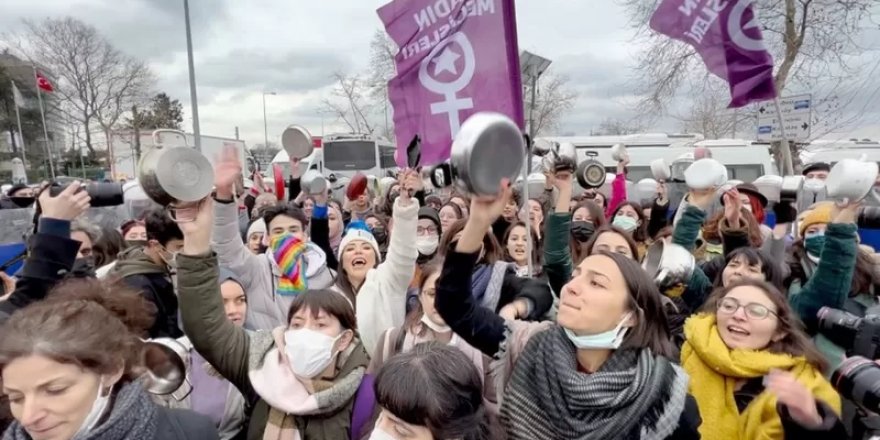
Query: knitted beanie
x=357, y=230
x=818, y=214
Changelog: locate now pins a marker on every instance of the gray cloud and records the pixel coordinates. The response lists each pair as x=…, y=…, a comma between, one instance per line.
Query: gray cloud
x=296, y=70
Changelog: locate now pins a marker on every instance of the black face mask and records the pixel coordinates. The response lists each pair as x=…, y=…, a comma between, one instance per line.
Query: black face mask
x=380, y=234
x=83, y=268
x=582, y=231
x=135, y=243
x=22, y=202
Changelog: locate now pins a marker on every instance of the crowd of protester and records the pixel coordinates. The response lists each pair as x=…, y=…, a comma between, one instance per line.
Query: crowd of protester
x=416, y=313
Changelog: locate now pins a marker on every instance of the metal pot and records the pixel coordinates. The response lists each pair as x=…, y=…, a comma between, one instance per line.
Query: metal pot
x=618, y=152
x=314, y=183
x=488, y=147
x=297, y=142
x=791, y=188
x=166, y=361
x=851, y=180
x=660, y=170
x=174, y=174
x=591, y=173
x=668, y=264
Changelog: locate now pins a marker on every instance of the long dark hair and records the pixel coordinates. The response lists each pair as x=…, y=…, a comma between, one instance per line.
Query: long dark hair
x=537, y=250
x=770, y=268
x=863, y=276
x=633, y=247
x=643, y=299
x=796, y=342
x=491, y=248
x=640, y=234
x=438, y=387
x=579, y=251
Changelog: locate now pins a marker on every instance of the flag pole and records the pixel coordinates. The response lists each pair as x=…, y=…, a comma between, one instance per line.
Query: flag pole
x=20, y=133
x=45, y=130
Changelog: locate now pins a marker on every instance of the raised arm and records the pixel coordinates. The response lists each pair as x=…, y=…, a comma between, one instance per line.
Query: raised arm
x=224, y=345
x=557, y=235
x=226, y=238
x=618, y=188
x=381, y=301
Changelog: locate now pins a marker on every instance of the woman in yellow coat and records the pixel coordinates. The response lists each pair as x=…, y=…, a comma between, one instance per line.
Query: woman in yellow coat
x=754, y=373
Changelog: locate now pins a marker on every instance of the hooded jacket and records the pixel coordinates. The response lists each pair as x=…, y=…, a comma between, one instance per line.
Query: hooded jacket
x=259, y=274
x=135, y=268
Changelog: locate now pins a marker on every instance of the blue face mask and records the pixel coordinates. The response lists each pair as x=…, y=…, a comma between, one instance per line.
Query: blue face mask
x=814, y=243
x=610, y=339
x=628, y=224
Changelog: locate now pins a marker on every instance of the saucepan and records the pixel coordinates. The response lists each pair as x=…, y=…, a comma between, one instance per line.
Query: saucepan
x=297, y=142
x=851, y=180
x=314, y=183
x=488, y=147
x=166, y=361
x=618, y=152
x=668, y=264
x=705, y=174
x=660, y=170
x=174, y=174
x=591, y=173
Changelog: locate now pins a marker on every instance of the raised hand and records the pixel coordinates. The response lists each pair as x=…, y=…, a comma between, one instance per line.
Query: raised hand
x=796, y=397
x=197, y=231
x=227, y=171
x=732, y=208
x=67, y=205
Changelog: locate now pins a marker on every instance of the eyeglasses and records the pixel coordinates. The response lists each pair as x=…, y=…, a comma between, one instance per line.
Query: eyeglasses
x=430, y=230
x=729, y=306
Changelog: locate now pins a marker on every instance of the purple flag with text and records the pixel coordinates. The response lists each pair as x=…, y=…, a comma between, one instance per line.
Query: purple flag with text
x=727, y=35
x=456, y=58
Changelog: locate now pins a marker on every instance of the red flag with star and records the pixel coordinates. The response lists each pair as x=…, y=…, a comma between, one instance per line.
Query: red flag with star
x=44, y=83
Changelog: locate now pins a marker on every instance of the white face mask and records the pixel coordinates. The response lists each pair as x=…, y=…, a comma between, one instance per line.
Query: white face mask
x=95, y=413
x=308, y=351
x=434, y=326
x=814, y=185
x=380, y=434
x=610, y=339
x=427, y=245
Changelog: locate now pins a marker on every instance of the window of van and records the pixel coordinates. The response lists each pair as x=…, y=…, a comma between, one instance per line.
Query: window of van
x=746, y=173
x=386, y=157
x=349, y=155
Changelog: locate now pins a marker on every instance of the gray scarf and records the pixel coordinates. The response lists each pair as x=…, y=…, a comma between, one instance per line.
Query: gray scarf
x=132, y=416
x=634, y=395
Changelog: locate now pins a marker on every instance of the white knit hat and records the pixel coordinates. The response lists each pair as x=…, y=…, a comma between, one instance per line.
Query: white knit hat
x=258, y=226
x=357, y=230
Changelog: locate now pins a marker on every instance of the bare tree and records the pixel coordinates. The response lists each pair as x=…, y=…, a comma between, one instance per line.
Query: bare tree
x=618, y=127
x=95, y=82
x=351, y=103
x=708, y=114
x=811, y=41
x=553, y=99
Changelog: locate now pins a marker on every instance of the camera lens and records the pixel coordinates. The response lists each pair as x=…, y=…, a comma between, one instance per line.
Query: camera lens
x=858, y=379
x=838, y=326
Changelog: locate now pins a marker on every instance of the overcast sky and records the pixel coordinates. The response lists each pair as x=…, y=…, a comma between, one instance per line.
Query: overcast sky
x=244, y=47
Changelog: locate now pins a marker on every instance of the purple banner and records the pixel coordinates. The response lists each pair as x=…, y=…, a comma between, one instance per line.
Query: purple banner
x=456, y=58
x=727, y=35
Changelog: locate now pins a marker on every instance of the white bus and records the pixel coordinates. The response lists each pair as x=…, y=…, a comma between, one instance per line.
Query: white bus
x=344, y=155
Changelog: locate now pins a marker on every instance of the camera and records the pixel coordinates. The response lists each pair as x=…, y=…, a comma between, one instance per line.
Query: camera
x=858, y=379
x=102, y=194
x=858, y=336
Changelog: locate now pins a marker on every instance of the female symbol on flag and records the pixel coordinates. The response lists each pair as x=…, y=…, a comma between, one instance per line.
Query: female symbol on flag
x=44, y=83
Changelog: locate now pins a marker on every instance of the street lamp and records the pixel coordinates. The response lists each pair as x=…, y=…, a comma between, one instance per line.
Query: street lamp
x=194, y=100
x=265, y=123
x=531, y=66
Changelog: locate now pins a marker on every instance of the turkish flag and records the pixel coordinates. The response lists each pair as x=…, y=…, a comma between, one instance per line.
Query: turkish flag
x=44, y=83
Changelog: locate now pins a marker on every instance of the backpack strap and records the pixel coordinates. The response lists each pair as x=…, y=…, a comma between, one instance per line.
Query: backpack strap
x=364, y=406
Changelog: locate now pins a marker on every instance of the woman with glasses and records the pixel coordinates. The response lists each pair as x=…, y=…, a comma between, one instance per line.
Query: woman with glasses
x=753, y=370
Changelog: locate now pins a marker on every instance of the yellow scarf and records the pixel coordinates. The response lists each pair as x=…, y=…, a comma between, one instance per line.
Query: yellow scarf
x=714, y=369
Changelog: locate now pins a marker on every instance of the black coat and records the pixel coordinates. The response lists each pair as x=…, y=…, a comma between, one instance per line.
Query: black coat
x=181, y=424
x=158, y=290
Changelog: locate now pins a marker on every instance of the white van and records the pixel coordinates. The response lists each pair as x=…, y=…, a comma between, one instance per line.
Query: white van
x=344, y=155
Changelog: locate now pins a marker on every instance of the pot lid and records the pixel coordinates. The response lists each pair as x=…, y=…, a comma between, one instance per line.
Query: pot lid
x=185, y=174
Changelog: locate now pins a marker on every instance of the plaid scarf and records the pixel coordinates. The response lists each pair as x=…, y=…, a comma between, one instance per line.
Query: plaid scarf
x=634, y=395
x=288, y=253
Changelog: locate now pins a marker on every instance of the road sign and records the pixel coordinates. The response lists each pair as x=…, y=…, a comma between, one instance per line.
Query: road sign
x=796, y=119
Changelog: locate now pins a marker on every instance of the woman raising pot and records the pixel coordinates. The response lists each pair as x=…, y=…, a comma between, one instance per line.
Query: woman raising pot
x=602, y=370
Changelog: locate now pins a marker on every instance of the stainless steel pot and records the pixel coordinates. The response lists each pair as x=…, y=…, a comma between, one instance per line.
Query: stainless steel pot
x=175, y=174
x=314, y=183
x=591, y=173
x=488, y=147
x=668, y=264
x=791, y=188
x=166, y=361
x=297, y=142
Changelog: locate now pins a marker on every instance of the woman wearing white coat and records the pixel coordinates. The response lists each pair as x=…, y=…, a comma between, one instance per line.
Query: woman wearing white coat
x=378, y=288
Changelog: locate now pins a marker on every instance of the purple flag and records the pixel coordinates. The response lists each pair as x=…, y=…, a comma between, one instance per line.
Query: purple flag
x=727, y=35
x=456, y=58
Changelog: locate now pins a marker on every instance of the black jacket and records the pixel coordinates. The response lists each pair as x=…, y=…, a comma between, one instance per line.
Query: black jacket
x=181, y=424
x=137, y=271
